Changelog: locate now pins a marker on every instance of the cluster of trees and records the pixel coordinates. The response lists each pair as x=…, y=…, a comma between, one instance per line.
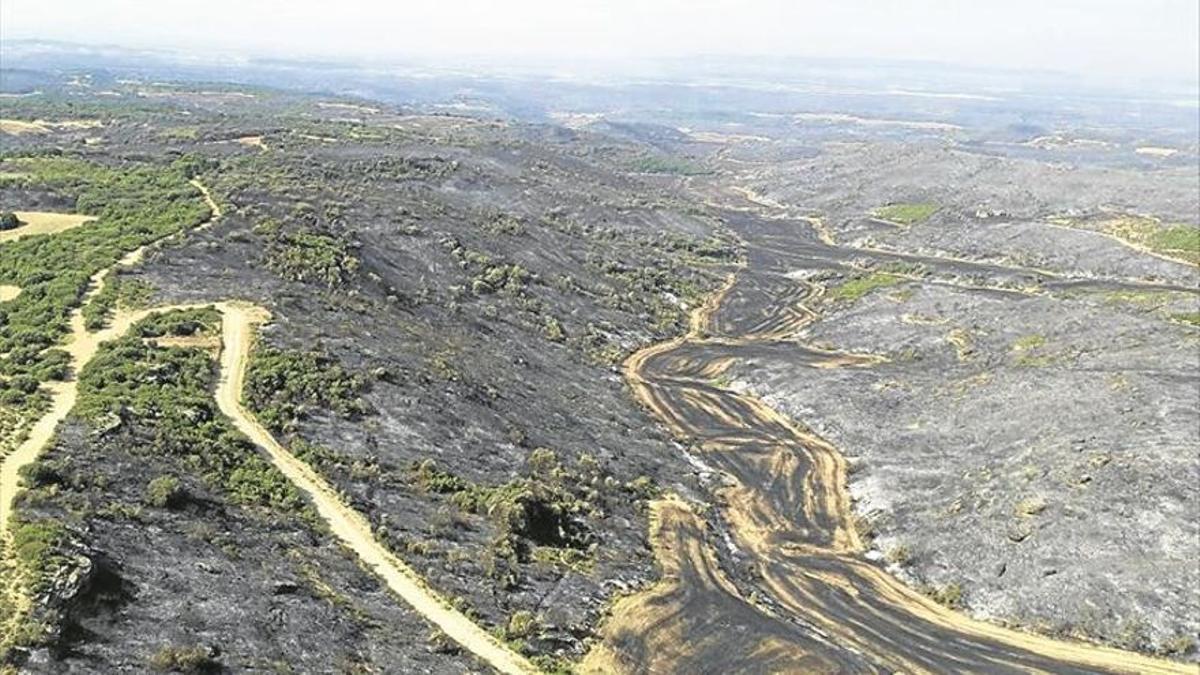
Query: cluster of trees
x=550, y=507
x=118, y=291
x=135, y=205
x=487, y=274
x=168, y=393
x=282, y=386
x=308, y=255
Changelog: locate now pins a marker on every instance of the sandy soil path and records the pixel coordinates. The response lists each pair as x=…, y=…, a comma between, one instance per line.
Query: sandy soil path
x=347, y=525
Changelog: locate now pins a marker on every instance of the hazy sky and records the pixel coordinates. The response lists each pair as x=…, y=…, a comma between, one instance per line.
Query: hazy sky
x=1129, y=39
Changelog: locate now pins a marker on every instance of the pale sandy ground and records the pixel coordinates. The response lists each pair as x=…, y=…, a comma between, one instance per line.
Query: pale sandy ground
x=252, y=142
x=871, y=121
x=42, y=222
x=18, y=127
x=9, y=293
x=1155, y=151
x=349, y=106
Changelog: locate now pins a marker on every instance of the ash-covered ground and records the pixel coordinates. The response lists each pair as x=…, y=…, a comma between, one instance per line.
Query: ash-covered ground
x=1029, y=441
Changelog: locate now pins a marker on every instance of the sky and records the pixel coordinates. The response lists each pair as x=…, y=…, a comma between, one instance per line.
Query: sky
x=1112, y=40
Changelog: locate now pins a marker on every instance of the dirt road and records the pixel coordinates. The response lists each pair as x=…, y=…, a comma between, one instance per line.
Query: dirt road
x=238, y=327
x=349, y=526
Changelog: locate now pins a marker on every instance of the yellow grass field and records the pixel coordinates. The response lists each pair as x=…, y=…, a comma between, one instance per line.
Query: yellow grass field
x=42, y=222
x=18, y=127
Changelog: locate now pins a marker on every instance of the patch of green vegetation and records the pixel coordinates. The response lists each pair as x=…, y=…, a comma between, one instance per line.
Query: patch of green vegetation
x=907, y=213
x=1182, y=238
x=675, y=166
x=540, y=518
x=165, y=492
x=441, y=363
x=1189, y=318
x=491, y=278
x=1027, y=342
x=487, y=274
x=38, y=555
x=9, y=221
x=308, y=256
x=168, y=392
x=1143, y=299
x=1178, y=240
x=899, y=554
x=282, y=386
x=180, y=133
x=1030, y=351
x=553, y=330
x=712, y=249
x=135, y=205
x=502, y=223
x=179, y=323
x=854, y=289
x=38, y=545
x=118, y=293
x=661, y=292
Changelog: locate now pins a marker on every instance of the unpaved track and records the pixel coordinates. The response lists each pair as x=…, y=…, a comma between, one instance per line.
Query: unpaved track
x=815, y=603
x=349, y=526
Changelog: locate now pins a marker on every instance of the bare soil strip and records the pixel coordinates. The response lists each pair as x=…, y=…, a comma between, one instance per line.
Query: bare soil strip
x=347, y=525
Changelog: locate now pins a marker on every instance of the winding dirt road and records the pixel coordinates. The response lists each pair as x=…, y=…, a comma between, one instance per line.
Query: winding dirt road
x=812, y=601
x=350, y=527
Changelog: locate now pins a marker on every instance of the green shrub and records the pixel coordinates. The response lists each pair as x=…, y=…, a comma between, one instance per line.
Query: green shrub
x=311, y=256
x=168, y=392
x=906, y=213
x=858, y=287
x=283, y=385
x=521, y=625
x=165, y=492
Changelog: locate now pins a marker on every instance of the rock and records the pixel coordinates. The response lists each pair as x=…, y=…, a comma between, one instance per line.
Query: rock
x=1019, y=532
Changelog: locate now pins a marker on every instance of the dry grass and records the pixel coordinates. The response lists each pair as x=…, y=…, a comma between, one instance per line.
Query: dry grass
x=42, y=222
x=1155, y=151
x=18, y=127
x=252, y=142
